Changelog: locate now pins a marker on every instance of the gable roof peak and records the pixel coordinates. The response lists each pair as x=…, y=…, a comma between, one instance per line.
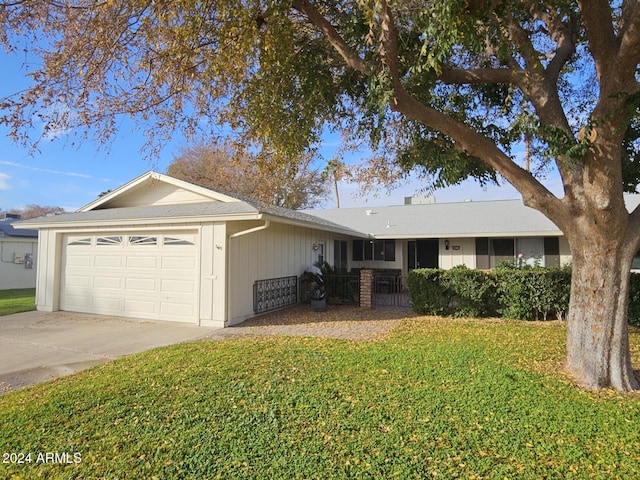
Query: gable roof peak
x=153, y=176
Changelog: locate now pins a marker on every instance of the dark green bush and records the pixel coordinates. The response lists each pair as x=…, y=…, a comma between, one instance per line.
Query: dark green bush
x=429, y=294
x=472, y=292
x=513, y=296
x=526, y=293
x=533, y=293
x=634, y=300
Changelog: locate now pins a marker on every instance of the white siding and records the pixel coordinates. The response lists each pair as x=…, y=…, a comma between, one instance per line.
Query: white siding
x=157, y=193
x=16, y=275
x=278, y=251
x=213, y=285
x=462, y=251
x=48, y=275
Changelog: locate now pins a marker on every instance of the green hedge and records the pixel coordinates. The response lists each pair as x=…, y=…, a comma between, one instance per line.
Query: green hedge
x=634, y=300
x=522, y=293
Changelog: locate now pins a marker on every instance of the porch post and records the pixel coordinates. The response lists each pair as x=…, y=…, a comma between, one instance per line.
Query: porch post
x=366, y=288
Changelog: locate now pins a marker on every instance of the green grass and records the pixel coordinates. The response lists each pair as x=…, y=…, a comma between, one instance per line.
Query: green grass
x=439, y=398
x=17, y=300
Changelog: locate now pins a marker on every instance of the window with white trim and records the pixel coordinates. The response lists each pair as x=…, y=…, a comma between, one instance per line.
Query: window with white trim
x=177, y=241
x=80, y=241
x=111, y=240
x=142, y=240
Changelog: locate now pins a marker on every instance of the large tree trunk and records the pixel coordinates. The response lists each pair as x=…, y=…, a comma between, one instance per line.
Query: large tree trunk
x=597, y=331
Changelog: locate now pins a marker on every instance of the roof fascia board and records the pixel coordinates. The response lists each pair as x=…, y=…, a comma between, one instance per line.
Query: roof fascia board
x=142, y=221
x=316, y=226
x=548, y=233
x=17, y=239
x=205, y=192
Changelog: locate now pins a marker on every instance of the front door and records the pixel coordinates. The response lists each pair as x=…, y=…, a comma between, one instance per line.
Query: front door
x=423, y=253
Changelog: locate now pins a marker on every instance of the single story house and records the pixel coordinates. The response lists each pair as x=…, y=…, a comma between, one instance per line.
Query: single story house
x=162, y=248
x=18, y=249
x=479, y=235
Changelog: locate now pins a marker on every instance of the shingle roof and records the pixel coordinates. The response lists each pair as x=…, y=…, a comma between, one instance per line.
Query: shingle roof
x=7, y=229
x=189, y=210
x=463, y=219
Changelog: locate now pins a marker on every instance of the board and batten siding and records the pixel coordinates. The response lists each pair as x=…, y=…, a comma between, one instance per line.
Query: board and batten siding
x=277, y=251
x=160, y=194
x=213, y=273
x=462, y=251
x=48, y=275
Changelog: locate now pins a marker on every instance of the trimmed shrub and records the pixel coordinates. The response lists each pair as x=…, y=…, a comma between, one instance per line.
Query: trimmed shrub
x=634, y=300
x=429, y=295
x=514, y=298
x=525, y=293
x=472, y=292
x=533, y=293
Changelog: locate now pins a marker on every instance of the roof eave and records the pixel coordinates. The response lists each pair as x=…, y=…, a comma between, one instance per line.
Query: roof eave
x=318, y=226
x=132, y=222
x=409, y=236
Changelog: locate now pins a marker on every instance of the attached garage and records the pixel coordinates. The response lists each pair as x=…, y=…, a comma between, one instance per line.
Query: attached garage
x=136, y=274
x=164, y=249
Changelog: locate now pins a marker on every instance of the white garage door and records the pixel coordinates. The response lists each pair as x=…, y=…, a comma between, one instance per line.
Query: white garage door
x=142, y=275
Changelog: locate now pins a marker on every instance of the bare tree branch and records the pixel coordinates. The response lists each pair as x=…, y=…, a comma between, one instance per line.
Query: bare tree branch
x=480, y=75
x=629, y=51
x=597, y=20
x=564, y=36
x=331, y=34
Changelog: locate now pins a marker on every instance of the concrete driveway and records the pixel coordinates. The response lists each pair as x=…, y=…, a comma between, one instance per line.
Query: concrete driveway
x=38, y=346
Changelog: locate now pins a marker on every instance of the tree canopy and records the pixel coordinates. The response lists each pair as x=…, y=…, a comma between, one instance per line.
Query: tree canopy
x=34, y=211
x=260, y=176
x=445, y=88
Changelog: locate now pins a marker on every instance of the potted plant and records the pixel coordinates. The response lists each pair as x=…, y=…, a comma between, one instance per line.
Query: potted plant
x=315, y=290
x=318, y=297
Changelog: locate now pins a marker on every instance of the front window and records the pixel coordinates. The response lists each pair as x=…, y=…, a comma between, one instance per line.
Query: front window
x=340, y=253
x=381, y=250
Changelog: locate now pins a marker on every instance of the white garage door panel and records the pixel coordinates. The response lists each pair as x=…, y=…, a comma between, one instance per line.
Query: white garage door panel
x=175, y=309
x=136, y=308
x=141, y=284
x=107, y=282
x=80, y=261
x=178, y=263
x=142, y=262
x=78, y=280
x=78, y=302
x=177, y=286
x=108, y=261
x=109, y=305
x=145, y=276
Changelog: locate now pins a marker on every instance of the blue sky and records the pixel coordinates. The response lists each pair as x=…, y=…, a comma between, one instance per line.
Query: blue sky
x=70, y=175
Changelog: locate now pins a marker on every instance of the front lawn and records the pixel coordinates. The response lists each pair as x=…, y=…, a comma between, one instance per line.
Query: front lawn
x=439, y=398
x=17, y=300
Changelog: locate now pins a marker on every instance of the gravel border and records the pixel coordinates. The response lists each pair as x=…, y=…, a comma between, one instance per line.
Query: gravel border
x=338, y=321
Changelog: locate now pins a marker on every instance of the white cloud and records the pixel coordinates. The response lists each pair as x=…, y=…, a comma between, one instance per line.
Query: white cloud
x=4, y=185
x=45, y=170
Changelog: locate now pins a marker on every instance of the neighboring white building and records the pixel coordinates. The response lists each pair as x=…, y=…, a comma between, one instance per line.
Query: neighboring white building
x=18, y=249
x=162, y=248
